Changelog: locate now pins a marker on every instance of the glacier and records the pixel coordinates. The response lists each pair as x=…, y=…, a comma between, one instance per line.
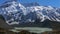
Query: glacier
x=15, y=13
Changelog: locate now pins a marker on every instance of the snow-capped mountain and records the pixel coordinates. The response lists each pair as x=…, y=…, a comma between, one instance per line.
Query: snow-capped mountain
x=15, y=13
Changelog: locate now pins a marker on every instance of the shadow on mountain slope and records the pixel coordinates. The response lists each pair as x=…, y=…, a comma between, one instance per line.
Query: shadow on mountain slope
x=47, y=24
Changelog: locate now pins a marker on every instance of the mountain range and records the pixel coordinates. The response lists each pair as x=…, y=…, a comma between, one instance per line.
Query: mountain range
x=29, y=14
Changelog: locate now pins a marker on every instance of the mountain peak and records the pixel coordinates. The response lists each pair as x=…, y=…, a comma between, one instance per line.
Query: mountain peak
x=30, y=4
x=7, y=4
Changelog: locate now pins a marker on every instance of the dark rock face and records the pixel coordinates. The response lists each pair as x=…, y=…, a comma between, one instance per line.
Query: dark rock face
x=47, y=23
x=3, y=23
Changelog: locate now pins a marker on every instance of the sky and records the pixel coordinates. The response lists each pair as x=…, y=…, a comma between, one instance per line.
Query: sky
x=54, y=3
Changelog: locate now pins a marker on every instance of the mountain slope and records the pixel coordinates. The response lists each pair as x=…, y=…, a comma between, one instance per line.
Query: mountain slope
x=16, y=13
